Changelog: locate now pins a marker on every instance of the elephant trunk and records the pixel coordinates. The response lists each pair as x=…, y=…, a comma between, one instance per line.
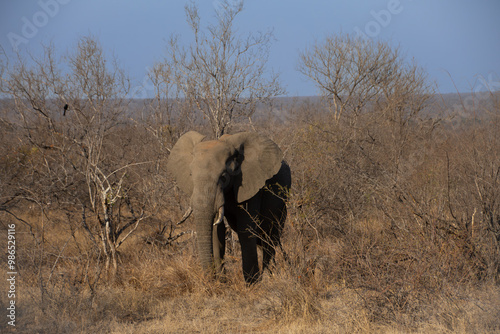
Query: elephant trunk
x=204, y=227
x=205, y=204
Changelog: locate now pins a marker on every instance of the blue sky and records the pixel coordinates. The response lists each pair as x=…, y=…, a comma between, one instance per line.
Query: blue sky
x=457, y=38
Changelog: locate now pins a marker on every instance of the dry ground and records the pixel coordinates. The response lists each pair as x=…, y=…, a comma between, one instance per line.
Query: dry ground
x=162, y=290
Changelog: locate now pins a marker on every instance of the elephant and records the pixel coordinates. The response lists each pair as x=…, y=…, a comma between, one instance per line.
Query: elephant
x=243, y=178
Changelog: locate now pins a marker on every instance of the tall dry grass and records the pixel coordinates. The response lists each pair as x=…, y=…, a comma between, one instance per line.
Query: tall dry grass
x=365, y=281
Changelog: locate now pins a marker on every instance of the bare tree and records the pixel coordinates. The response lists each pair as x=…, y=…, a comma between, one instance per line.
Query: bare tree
x=351, y=72
x=71, y=121
x=222, y=74
x=161, y=104
x=165, y=114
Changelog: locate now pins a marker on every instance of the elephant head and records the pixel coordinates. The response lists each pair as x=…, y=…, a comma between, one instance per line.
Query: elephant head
x=221, y=174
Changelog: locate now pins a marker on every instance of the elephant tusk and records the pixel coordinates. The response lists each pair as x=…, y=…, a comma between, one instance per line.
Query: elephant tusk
x=221, y=215
x=186, y=215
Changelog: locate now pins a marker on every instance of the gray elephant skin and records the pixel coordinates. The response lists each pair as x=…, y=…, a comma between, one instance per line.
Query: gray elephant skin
x=243, y=178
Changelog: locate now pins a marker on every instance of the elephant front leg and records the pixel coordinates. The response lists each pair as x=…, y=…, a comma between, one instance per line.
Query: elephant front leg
x=219, y=247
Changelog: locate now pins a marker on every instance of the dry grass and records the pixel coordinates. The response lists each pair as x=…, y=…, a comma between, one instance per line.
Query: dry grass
x=324, y=287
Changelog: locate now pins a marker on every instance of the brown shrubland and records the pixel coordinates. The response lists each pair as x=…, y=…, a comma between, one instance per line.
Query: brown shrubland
x=366, y=250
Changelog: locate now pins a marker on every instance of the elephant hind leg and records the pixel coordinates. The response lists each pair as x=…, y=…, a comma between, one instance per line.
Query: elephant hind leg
x=268, y=253
x=272, y=220
x=249, y=256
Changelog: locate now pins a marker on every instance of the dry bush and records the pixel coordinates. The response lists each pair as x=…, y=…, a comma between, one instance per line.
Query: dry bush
x=398, y=208
x=412, y=201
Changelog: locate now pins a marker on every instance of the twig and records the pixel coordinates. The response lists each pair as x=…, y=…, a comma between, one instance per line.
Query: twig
x=57, y=259
x=131, y=231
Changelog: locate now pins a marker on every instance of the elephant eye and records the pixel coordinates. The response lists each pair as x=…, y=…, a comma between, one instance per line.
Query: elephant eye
x=224, y=179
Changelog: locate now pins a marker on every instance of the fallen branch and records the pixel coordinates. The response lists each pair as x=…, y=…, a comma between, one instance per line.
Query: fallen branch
x=186, y=216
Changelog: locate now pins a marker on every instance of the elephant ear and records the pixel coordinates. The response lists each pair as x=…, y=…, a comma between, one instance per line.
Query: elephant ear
x=180, y=159
x=261, y=161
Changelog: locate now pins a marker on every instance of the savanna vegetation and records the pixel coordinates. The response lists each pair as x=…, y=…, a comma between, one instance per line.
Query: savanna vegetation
x=393, y=218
